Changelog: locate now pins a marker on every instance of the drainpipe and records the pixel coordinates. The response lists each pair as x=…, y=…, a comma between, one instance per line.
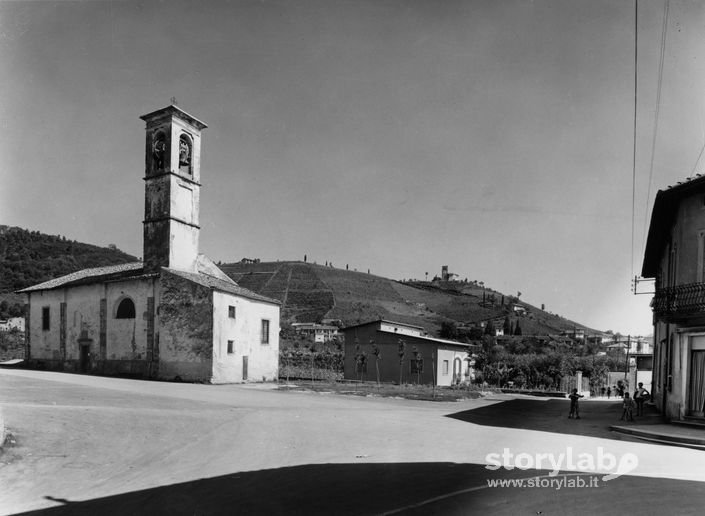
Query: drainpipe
x=664, y=384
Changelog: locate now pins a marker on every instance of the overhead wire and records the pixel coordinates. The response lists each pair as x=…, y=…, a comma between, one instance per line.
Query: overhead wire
x=659, y=87
x=636, y=62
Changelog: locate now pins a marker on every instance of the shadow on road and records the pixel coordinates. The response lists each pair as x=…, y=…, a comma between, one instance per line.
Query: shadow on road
x=405, y=488
x=552, y=416
x=308, y=489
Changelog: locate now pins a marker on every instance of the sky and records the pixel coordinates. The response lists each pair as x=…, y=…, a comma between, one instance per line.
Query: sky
x=495, y=137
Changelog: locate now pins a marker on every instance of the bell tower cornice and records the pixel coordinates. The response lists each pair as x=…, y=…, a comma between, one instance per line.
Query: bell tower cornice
x=173, y=111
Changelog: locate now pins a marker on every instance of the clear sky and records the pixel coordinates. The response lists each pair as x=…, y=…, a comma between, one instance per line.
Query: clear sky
x=495, y=137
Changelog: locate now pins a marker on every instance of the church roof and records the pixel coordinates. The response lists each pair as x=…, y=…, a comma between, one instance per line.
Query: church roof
x=208, y=275
x=92, y=275
x=218, y=284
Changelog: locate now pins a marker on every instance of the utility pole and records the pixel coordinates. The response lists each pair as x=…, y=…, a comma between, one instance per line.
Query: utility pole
x=626, y=365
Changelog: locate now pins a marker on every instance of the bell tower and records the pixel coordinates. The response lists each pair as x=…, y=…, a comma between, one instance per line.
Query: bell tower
x=172, y=189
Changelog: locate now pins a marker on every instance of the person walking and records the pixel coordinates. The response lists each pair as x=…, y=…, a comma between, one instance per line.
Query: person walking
x=574, y=409
x=609, y=392
x=627, y=408
x=640, y=396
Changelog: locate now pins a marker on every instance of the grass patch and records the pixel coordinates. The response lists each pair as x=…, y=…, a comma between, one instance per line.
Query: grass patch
x=386, y=390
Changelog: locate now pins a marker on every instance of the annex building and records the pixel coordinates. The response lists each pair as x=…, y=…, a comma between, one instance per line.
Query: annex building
x=174, y=315
x=405, y=354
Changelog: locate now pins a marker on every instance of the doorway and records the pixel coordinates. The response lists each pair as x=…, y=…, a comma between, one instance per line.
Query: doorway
x=85, y=357
x=697, y=384
x=244, y=368
x=457, y=371
x=696, y=376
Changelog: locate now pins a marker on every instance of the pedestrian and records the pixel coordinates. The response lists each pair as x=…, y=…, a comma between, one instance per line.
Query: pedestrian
x=574, y=410
x=640, y=396
x=602, y=391
x=627, y=408
x=609, y=392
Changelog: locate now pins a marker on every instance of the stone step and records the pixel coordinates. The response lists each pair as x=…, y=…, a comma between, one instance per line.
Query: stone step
x=691, y=422
x=662, y=436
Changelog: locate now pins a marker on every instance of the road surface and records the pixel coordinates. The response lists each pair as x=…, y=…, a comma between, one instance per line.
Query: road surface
x=92, y=445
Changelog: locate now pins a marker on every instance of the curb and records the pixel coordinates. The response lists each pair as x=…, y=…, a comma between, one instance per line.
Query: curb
x=660, y=437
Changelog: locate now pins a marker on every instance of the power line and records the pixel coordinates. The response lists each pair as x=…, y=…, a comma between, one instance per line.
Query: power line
x=664, y=32
x=636, y=62
x=698, y=160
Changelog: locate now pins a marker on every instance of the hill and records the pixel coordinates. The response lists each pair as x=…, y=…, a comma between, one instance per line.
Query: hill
x=30, y=257
x=309, y=292
x=312, y=293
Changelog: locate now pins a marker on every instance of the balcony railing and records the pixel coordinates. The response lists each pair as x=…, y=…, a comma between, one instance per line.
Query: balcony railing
x=680, y=300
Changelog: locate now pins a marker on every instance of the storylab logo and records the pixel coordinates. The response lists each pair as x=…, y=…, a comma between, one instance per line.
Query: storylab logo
x=601, y=461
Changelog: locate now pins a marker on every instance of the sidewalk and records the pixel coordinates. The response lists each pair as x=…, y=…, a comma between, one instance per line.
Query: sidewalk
x=599, y=418
x=652, y=428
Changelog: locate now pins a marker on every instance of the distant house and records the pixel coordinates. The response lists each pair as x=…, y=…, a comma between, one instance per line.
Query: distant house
x=174, y=316
x=425, y=359
x=319, y=332
x=519, y=309
x=575, y=333
x=675, y=258
x=13, y=323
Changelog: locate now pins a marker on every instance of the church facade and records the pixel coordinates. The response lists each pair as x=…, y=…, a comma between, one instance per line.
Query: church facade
x=173, y=316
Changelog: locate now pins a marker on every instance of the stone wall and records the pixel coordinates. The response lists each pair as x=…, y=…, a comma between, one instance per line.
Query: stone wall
x=185, y=329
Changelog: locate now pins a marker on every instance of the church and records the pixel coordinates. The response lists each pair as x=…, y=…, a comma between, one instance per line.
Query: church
x=173, y=316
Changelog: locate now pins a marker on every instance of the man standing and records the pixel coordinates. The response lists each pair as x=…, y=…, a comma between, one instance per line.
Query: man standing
x=640, y=396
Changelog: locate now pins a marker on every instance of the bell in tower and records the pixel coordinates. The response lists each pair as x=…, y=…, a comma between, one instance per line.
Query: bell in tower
x=172, y=189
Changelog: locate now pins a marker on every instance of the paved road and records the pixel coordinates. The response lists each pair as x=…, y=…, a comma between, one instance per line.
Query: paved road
x=90, y=445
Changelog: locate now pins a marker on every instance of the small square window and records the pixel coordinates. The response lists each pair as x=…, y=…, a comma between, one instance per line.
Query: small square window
x=231, y=312
x=46, y=323
x=265, y=331
x=231, y=345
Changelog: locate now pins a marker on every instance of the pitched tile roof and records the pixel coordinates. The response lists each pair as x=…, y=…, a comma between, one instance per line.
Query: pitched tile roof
x=92, y=275
x=218, y=284
x=663, y=216
x=205, y=277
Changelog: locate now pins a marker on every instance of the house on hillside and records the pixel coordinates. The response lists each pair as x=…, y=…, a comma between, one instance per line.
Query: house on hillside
x=518, y=309
x=318, y=332
x=175, y=315
x=13, y=323
x=574, y=333
x=426, y=360
x=675, y=258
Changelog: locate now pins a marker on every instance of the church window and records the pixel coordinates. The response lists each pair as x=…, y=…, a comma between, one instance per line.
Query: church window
x=231, y=345
x=185, y=154
x=126, y=309
x=45, y=318
x=159, y=151
x=265, y=331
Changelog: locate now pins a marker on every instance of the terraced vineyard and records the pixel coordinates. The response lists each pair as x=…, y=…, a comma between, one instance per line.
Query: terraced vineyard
x=311, y=293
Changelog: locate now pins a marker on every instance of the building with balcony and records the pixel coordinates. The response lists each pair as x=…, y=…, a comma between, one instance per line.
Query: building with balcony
x=675, y=259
